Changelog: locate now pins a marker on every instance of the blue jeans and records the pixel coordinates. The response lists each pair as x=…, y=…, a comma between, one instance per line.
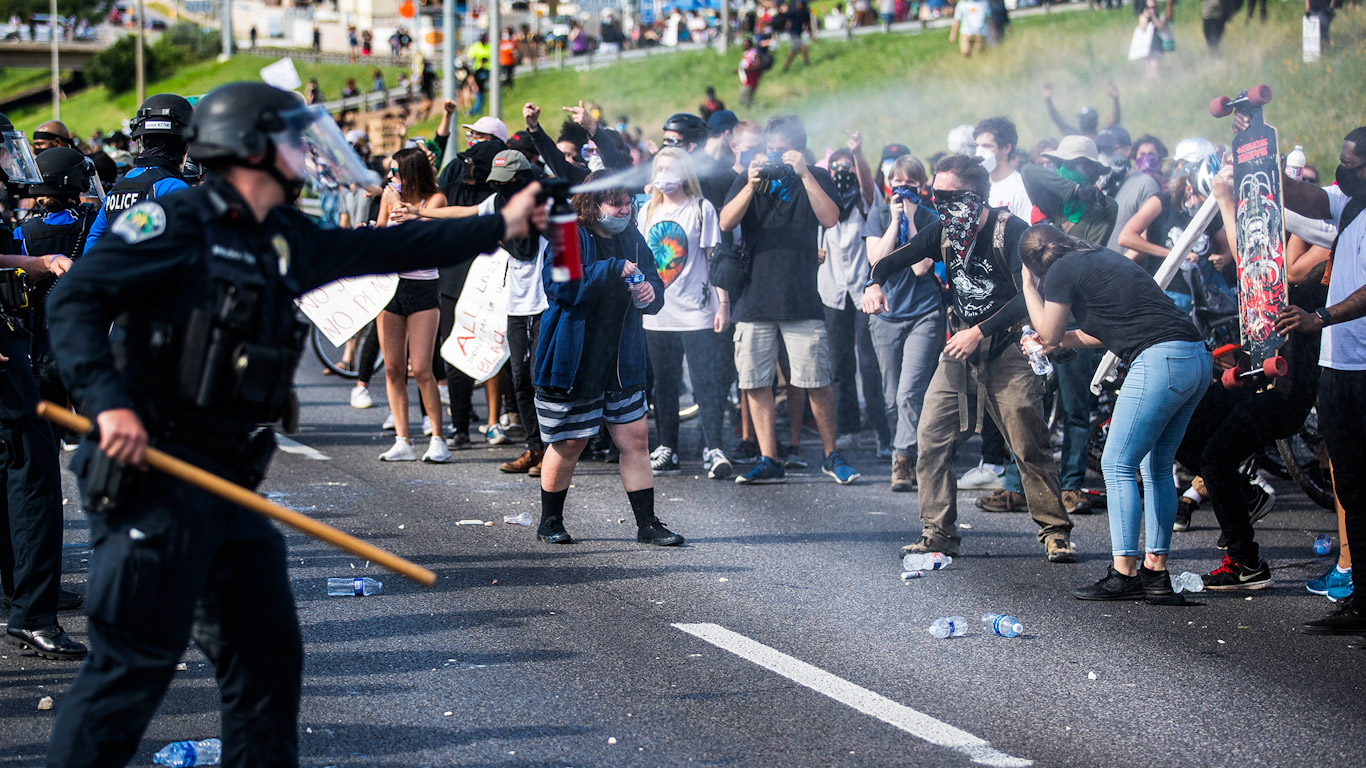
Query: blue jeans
x=1159, y=395
x=907, y=354
x=1074, y=390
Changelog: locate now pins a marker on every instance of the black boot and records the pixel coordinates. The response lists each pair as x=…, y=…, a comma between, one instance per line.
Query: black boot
x=48, y=642
x=1157, y=588
x=552, y=531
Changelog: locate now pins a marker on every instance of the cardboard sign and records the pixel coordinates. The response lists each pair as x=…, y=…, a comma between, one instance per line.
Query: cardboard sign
x=387, y=130
x=478, y=341
x=341, y=309
x=1313, y=39
x=281, y=74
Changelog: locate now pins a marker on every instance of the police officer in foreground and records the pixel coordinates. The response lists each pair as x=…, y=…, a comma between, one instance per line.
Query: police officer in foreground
x=159, y=128
x=199, y=288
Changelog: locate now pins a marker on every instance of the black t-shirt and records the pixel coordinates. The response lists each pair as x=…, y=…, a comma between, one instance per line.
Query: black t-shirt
x=1116, y=301
x=797, y=20
x=714, y=179
x=1166, y=229
x=781, y=230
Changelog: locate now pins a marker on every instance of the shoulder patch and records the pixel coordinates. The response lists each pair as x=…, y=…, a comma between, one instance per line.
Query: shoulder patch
x=143, y=221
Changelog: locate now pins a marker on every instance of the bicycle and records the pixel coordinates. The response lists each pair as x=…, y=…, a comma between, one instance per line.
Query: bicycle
x=333, y=357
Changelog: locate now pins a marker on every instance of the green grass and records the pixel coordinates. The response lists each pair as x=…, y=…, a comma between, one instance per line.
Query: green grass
x=915, y=88
x=97, y=108
x=15, y=81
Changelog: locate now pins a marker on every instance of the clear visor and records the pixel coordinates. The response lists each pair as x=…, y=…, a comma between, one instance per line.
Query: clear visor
x=94, y=190
x=16, y=159
x=313, y=147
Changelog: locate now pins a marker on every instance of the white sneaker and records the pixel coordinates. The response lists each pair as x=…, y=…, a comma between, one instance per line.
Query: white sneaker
x=496, y=435
x=427, y=426
x=388, y=425
x=402, y=451
x=437, y=452
x=445, y=392
x=983, y=477
x=718, y=466
x=847, y=442
x=360, y=398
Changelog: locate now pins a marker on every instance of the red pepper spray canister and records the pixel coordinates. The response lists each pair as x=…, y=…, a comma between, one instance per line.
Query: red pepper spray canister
x=566, y=261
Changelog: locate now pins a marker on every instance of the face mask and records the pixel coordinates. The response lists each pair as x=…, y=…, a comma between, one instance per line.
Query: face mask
x=595, y=163
x=667, y=183
x=477, y=139
x=845, y=180
x=959, y=213
x=1349, y=181
x=1150, y=164
x=988, y=159
x=908, y=193
x=1116, y=161
x=614, y=225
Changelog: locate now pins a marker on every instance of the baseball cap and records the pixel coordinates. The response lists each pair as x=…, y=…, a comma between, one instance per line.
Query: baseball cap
x=520, y=140
x=721, y=121
x=489, y=125
x=893, y=151
x=1113, y=137
x=506, y=164
x=355, y=136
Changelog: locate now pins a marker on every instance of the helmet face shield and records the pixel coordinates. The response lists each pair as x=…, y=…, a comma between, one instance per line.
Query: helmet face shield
x=313, y=147
x=16, y=159
x=94, y=190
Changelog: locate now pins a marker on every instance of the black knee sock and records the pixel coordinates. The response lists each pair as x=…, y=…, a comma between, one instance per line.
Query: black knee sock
x=552, y=504
x=643, y=505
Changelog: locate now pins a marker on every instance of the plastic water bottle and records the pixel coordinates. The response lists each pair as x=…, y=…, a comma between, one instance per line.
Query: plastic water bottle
x=1187, y=582
x=1039, y=361
x=1323, y=544
x=360, y=585
x=632, y=280
x=1002, y=624
x=926, y=561
x=1295, y=162
x=953, y=626
x=183, y=753
x=908, y=575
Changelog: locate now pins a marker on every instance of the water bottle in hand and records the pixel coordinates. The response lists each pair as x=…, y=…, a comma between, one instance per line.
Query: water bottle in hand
x=1323, y=544
x=185, y=753
x=1029, y=339
x=1187, y=582
x=926, y=561
x=953, y=626
x=357, y=586
x=1002, y=624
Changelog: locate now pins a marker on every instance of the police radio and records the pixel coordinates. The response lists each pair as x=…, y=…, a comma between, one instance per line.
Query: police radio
x=566, y=263
x=14, y=289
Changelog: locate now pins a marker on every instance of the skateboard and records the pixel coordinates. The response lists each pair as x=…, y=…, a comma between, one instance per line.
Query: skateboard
x=1260, y=241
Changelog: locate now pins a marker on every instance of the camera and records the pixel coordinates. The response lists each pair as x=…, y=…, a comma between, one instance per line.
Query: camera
x=772, y=171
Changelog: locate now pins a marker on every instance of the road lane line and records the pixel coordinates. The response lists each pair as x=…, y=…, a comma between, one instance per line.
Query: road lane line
x=916, y=723
x=299, y=449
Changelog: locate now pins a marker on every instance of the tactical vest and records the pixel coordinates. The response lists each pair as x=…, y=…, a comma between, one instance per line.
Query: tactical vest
x=42, y=239
x=131, y=191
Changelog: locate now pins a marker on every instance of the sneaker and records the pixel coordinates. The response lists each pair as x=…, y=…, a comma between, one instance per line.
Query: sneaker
x=1184, y=509
x=1231, y=575
x=512, y=425
x=360, y=398
x=903, y=474
x=836, y=467
x=1340, y=591
x=388, y=425
x=1262, y=502
x=983, y=478
x=1059, y=549
x=664, y=461
x=458, y=441
x=402, y=450
x=523, y=464
x=427, y=426
x=766, y=471
x=884, y=450
x=1324, y=584
x=793, y=458
x=437, y=452
x=445, y=392
x=1003, y=501
x=848, y=442
x=926, y=544
x=654, y=532
x=551, y=531
x=717, y=465
x=1157, y=587
x=747, y=452
x=1344, y=620
x=496, y=436
x=1076, y=502
x=1114, y=586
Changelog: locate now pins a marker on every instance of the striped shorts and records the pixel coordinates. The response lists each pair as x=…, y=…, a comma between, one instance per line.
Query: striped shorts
x=562, y=420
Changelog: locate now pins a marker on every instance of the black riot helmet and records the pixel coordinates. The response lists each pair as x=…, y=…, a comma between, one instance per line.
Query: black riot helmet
x=192, y=172
x=235, y=121
x=164, y=113
x=692, y=128
x=6, y=125
x=65, y=172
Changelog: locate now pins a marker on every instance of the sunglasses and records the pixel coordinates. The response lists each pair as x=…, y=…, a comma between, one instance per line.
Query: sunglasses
x=842, y=167
x=671, y=142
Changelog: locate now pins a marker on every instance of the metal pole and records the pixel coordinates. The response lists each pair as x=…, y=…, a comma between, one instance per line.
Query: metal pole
x=725, y=27
x=448, y=71
x=56, y=71
x=496, y=59
x=227, y=30
x=140, y=64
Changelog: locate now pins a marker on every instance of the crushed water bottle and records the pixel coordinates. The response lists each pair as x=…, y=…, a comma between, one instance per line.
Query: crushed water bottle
x=908, y=575
x=1029, y=338
x=953, y=626
x=1323, y=544
x=1002, y=624
x=1187, y=582
x=185, y=753
x=360, y=585
x=926, y=561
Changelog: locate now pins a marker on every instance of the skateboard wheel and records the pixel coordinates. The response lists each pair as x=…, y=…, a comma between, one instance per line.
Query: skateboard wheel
x=1219, y=106
x=1259, y=96
x=1232, y=378
x=1275, y=366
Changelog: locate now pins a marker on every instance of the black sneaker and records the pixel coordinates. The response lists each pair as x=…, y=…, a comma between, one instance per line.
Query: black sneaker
x=654, y=532
x=551, y=531
x=1231, y=575
x=1344, y=620
x=1261, y=505
x=1157, y=587
x=747, y=452
x=793, y=458
x=1115, y=586
x=1184, y=509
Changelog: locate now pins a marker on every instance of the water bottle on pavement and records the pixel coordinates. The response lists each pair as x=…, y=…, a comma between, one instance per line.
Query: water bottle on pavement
x=183, y=753
x=953, y=626
x=1029, y=338
x=926, y=561
x=1187, y=582
x=908, y=575
x=1323, y=544
x=1002, y=624
x=361, y=585
x=1295, y=162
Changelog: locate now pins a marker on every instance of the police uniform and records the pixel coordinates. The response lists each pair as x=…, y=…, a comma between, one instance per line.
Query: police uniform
x=152, y=177
x=205, y=343
x=59, y=232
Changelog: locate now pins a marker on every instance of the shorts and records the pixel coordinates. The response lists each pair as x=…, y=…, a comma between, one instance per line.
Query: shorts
x=796, y=41
x=413, y=296
x=967, y=42
x=756, y=353
x=562, y=420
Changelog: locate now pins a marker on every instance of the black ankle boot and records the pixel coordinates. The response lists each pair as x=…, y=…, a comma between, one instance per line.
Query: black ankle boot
x=552, y=531
x=1157, y=588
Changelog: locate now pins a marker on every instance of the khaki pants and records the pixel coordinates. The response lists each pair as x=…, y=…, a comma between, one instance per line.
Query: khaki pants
x=1013, y=394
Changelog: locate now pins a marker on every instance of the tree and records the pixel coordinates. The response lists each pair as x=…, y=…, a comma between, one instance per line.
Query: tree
x=116, y=66
x=26, y=8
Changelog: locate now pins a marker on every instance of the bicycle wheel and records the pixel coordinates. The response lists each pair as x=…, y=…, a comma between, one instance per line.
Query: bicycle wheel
x=330, y=355
x=1304, y=458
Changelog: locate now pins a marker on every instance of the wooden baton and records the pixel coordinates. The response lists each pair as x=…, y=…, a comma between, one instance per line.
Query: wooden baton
x=183, y=470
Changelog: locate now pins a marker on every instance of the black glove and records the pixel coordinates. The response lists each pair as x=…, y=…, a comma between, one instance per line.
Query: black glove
x=1090, y=195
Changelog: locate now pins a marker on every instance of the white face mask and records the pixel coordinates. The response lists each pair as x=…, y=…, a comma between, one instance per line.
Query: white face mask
x=988, y=159
x=595, y=163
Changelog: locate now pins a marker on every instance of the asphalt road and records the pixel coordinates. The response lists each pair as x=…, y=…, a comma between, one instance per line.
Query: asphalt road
x=800, y=645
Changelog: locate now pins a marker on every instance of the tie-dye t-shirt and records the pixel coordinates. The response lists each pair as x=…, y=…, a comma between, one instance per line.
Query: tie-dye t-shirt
x=677, y=237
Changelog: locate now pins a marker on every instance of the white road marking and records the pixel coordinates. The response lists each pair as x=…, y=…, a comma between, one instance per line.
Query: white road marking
x=918, y=724
x=299, y=449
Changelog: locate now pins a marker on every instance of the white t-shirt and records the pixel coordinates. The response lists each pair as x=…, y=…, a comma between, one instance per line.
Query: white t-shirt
x=844, y=272
x=526, y=292
x=1010, y=193
x=677, y=238
x=1343, y=347
x=972, y=17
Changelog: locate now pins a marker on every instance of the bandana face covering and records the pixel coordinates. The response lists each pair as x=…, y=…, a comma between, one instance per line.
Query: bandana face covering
x=1072, y=210
x=846, y=187
x=959, y=212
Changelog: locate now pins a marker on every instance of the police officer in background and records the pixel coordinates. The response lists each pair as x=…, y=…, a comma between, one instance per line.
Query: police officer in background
x=159, y=128
x=199, y=288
